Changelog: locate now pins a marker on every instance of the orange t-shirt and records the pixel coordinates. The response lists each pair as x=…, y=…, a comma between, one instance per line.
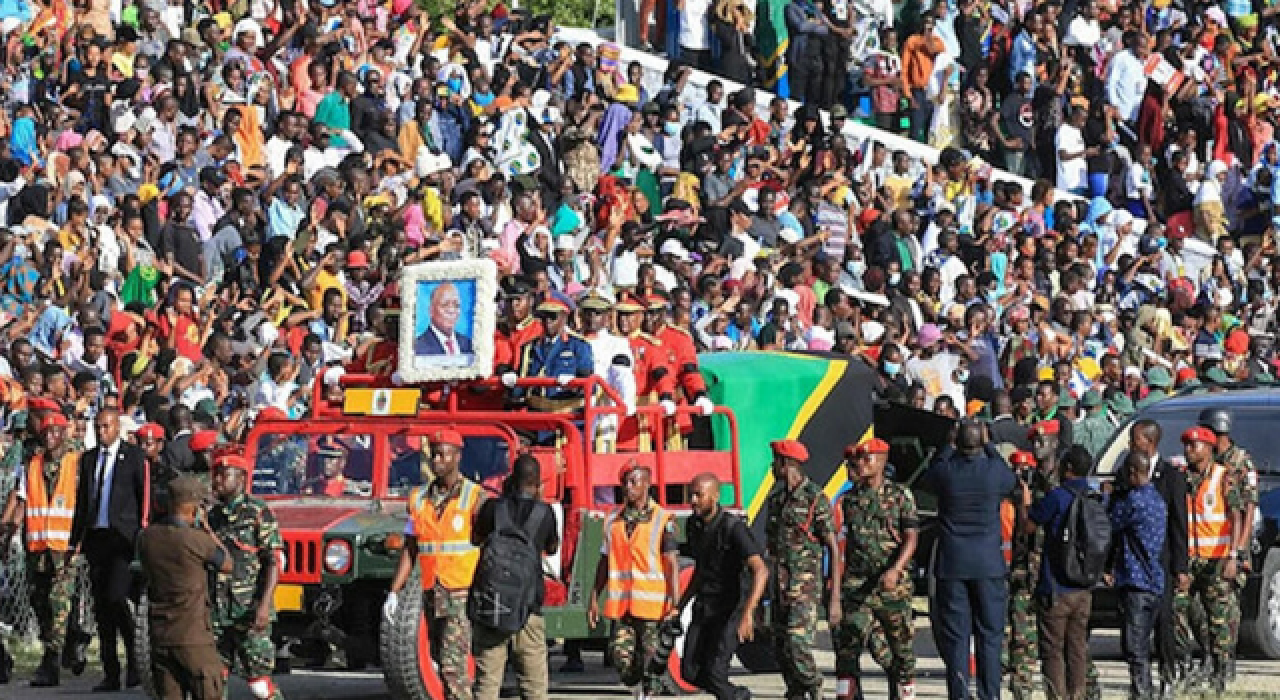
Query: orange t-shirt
x=917, y=60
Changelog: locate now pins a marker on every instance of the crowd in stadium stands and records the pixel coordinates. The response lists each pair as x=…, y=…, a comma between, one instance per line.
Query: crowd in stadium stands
x=204, y=207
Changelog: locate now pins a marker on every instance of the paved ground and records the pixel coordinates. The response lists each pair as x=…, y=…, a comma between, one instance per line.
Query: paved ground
x=1256, y=679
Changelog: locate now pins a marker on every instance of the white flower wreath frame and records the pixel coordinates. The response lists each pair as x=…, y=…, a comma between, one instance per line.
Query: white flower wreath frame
x=483, y=319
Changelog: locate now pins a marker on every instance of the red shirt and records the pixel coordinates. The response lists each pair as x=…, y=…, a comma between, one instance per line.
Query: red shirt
x=183, y=334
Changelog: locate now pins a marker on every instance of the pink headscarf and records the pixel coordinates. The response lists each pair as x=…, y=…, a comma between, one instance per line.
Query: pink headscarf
x=68, y=140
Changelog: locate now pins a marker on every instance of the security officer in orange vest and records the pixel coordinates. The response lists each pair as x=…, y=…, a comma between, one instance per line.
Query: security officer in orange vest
x=47, y=491
x=1215, y=513
x=438, y=534
x=638, y=576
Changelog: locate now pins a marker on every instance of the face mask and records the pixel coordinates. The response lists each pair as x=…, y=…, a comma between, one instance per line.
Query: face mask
x=856, y=267
x=962, y=375
x=455, y=85
x=483, y=99
x=894, y=279
x=993, y=296
x=141, y=73
x=21, y=252
x=892, y=368
x=671, y=128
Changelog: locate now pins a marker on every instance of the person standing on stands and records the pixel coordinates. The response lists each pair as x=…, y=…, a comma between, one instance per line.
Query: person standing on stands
x=1064, y=608
x=109, y=501
x=177, y=556
x=723, y=548
x=1171, y=483
x=970, y=480
x=808, y=27
x=918, y=53
x=1138, y=520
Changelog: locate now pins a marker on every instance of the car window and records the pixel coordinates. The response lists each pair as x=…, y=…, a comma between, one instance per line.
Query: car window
x=293, y=464
x=1253, y=428
x=486, y=460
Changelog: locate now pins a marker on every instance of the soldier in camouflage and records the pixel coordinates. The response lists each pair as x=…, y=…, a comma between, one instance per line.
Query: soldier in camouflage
x=880, y=529
x=46, y=491
x=243, y=599
x=1240, y=471
x=1219, y=507
x=798, y=528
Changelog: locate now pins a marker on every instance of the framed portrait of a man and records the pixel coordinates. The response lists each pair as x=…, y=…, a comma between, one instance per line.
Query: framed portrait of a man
x=447, y=328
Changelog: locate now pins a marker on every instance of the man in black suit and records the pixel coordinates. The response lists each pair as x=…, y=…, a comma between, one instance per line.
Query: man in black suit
x=441, y=336
x=1171, y=484
x=1004, y=428
x=108, y=516
x=970, y=481
x=177, y=454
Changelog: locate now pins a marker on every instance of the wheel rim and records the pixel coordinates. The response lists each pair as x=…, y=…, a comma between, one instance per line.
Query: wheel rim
x=1273, y=608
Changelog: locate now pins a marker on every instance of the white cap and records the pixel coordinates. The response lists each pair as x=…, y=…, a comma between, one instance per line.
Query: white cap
x=1120, y=217
x=428, y=163
x=125, y=122
x=567, y=242
x=674, y=248
x=872, y=331
x=789, y=235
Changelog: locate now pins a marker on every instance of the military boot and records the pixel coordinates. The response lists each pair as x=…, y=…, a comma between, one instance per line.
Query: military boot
x=1231, y=670
x=46, y=676
x=6, y=665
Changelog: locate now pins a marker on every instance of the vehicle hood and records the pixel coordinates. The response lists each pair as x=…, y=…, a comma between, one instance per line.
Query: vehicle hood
x=326, y=516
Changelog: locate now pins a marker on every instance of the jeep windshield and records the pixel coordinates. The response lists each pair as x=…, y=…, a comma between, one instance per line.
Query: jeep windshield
x=1253, y=429
x=324, y=466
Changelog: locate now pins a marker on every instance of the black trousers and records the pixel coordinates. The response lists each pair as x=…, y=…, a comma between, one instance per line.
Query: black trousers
x=971, y=608
x=709, y=646
x=110, y=554
x=1168, y=650
x=1138, y=615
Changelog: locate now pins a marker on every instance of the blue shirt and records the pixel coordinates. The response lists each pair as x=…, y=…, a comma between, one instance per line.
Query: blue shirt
x=1049, y=512
x=1138, y=524
x=566, y=355
x=970, y=489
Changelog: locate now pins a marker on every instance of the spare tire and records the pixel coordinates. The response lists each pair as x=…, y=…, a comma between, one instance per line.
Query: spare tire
x=142, y=646
x=405, y=645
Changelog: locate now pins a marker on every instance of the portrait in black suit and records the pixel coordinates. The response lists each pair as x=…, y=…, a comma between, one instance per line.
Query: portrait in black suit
x=109, y=546
x=445, y=309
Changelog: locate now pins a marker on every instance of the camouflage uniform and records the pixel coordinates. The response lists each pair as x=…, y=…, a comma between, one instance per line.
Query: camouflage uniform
x=1240, y=470
x=247, y=527
x=634, y=641
x=798, y=523
x=1093, y=431
x=1208, y=587
x=51, y=585
x=874, y=525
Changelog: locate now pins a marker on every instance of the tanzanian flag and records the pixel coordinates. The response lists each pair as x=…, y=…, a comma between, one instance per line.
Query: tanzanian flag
x=822, y=400
x=772, y=43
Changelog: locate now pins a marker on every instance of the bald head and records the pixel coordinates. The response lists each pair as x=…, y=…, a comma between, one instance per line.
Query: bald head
x=705, y=480
x=969, y=439
x=704, y=495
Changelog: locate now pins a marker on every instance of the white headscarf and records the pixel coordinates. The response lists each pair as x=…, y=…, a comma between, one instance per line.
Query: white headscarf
x=1210, y=188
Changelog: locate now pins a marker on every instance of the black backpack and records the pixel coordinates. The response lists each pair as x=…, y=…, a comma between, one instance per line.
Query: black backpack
x=1080, y=551
x=509, y=572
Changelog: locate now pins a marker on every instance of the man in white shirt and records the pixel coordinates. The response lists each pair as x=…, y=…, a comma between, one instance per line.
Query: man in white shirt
x=695, y=32
x=1073, y=169
x=711, y=110
x=1127, y=77
x=284, y=138
x=1084, y=29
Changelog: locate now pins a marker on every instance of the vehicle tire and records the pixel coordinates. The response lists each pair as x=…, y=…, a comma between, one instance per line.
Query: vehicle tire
x=674, y=683
x=759, y=655
x=142, y=646
x=407, y=665
x=1262, y=634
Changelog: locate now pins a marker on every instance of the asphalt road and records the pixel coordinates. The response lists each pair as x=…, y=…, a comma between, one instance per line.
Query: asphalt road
x=1256, y=678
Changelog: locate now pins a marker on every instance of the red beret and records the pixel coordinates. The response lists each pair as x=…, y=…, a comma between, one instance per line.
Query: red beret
x=1044, y=427
x=151, y=431
x=1022, y=458
x=1237, y=342
x=1200, y=434
x=445, y=436
x=874, y=446
x=203, y=440
x=272, y=413
x=790, y=448
x=1185, y=374
x=55, y=418
x=233, y=462
x=629, y=467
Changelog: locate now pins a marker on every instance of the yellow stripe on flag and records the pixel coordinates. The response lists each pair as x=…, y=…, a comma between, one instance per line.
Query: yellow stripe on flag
x=819, y=394
x=832, y=489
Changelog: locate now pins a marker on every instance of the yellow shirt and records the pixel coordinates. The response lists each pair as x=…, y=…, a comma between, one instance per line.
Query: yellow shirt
x=324, y=282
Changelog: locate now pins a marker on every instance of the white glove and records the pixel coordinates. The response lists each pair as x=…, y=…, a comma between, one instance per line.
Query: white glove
x=631, y=408
x=509, y=379
x=564, y=379
x=333, y=376
x=668, y=406
x=396, y=379
x=704, y=404
x=389, y=607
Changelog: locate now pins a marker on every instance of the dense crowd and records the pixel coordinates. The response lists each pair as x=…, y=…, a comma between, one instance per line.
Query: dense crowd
x=206, y=208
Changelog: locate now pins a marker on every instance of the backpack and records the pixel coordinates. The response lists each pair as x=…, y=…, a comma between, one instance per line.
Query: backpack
x=1080, y=550
x=509, y=572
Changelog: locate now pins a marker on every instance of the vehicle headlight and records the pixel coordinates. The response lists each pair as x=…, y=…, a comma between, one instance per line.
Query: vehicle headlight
x=337, y=557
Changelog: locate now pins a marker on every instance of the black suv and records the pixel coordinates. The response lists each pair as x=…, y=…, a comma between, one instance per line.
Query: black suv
x=1255, y=416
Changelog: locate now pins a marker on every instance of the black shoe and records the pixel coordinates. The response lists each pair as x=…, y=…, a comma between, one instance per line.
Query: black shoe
x=573, y=666
x=131, y=678
x=108, y=685
x=46, y=676
x=6, y=666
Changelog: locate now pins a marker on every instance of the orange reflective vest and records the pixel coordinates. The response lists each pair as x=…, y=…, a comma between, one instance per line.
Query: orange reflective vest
x=637, y=578
x=1209, y=529
x=1008, y=520
x=445, y=552
x=48, y=515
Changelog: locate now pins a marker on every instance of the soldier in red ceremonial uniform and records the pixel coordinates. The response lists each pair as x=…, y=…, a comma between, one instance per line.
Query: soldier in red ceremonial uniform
x=683, y=358
x=655, y=376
